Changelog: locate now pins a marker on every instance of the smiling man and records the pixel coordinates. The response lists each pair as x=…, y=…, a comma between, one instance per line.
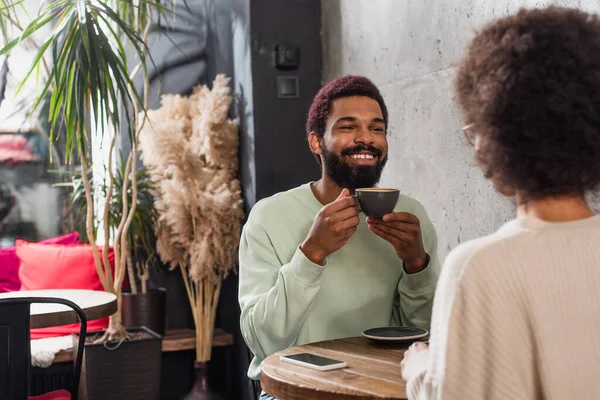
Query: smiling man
x=312, y=267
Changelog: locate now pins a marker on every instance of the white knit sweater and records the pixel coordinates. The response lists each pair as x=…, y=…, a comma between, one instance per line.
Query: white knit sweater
x=516, y=315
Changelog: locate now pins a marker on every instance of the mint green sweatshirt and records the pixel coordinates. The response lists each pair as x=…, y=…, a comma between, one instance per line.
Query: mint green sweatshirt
x=287, y=300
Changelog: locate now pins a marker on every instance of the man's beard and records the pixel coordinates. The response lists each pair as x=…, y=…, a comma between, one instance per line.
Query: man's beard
x=353, y=176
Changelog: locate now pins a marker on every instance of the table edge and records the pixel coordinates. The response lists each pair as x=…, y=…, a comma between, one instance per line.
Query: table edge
x=68, y=317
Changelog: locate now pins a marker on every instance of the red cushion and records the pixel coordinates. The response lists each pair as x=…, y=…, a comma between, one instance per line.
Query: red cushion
x=55, y=395
x=9, y=262
x=60, y=267
x=9, y=270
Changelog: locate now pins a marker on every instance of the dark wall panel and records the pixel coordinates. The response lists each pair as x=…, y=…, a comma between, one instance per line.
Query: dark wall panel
x=282, y=157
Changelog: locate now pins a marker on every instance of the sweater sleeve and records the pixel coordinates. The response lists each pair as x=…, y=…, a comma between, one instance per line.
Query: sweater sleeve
x=416, y=291
x=481, y=346
x=275, y=298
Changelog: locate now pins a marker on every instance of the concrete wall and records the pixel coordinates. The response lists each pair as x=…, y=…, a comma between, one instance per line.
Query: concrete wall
x=243, y=89
x=409, y=49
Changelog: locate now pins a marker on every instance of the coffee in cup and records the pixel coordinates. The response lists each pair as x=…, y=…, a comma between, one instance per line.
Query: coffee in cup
x=377, y=202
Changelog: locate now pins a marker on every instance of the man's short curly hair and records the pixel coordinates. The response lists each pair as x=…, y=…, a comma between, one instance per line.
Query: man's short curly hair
x=530, y=85
x=346, y=86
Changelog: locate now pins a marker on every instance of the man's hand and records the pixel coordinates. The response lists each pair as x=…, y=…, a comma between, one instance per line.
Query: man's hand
x=331, y=229
x=415, y=360
x=403, y=231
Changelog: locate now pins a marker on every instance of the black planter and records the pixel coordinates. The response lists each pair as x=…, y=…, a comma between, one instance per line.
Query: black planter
x=145, y=309
x=126, y=371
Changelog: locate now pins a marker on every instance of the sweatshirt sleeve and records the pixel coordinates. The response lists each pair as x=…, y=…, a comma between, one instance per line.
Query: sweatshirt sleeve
x=480, y=344
x=416, y=291
x=275, y=298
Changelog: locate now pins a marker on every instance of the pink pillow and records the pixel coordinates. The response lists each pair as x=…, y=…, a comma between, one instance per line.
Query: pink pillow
x=59, y=266
x=9, y=262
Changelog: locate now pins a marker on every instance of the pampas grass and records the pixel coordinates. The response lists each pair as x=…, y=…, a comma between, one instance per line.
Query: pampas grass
x=190, y=148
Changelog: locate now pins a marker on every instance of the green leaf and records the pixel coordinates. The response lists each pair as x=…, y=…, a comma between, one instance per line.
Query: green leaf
x=36, y=62
x=33, y=27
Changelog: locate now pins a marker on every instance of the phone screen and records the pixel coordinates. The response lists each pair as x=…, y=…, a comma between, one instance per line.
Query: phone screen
x=313, y=359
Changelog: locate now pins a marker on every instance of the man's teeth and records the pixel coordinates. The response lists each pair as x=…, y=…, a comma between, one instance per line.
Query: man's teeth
x=362, y=156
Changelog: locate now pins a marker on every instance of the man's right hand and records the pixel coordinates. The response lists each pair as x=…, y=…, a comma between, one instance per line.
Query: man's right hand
x=331, y=229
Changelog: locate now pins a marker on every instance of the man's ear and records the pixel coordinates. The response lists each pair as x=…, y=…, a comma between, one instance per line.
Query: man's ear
x=315, y=143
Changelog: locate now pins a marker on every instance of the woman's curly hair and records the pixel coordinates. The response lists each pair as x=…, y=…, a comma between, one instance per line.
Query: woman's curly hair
x=530, y=85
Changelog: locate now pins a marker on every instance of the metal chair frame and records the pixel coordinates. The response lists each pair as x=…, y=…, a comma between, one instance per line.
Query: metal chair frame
x=14, y=340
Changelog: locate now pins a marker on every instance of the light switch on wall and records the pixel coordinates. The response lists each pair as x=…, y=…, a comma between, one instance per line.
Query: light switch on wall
x=288, y=87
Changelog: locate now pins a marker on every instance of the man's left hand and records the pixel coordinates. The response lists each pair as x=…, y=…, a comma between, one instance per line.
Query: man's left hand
x=415, y=360
x=403, y=231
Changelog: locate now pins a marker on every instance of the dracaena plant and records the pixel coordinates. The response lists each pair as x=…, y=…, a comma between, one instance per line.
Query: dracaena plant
x=142, y=236
x=87, y=71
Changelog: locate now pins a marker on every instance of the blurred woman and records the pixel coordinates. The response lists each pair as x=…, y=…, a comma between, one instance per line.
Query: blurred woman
x=517, y=313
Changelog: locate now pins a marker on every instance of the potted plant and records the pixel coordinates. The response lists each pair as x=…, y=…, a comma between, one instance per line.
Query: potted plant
x=141, y=306
x=190, y=148
x=83, y=63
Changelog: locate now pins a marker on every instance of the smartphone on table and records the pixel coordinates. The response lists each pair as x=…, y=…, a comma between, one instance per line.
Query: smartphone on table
x=314, y=361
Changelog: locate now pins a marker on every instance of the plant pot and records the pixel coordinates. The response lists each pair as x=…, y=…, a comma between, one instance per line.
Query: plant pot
x=201, y=389
x=126, y=371
x=145, y=309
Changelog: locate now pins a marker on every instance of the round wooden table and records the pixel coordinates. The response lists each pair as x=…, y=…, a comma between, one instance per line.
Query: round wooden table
x=95, y=304
x=373, y=372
